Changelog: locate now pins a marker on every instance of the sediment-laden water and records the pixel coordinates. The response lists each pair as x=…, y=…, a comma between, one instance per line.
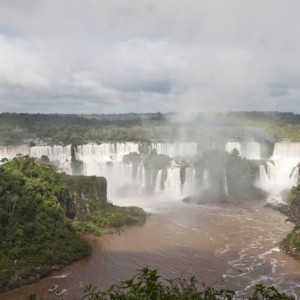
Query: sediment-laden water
x=231, y=246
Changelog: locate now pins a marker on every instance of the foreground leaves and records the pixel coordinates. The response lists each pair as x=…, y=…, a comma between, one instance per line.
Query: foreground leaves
x=148, y=285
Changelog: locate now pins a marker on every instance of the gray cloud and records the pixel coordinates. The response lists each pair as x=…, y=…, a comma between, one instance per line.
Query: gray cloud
x=122, y=56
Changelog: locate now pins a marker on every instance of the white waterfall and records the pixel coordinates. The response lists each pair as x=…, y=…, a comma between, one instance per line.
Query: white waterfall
x=225, y=184
x=263, y=177
x=105, y=152
x=141, y=179
x=282, y=170
x=176, y=149
x=9, y=152
x=59, y=155
x=205, y=182
x=189, y=182
x=252, y=151
x=173, y=181
x=230, y=146
x=158, y=187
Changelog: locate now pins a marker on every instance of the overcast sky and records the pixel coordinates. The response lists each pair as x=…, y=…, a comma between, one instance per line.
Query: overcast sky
x=115, y=56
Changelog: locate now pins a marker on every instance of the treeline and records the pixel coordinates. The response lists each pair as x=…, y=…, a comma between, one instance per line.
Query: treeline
x=207, y=127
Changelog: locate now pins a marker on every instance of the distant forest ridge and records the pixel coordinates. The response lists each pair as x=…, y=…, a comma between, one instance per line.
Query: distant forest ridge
x=23, y=128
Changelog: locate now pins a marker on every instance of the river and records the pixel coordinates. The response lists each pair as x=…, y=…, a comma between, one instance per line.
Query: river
x=234, y=246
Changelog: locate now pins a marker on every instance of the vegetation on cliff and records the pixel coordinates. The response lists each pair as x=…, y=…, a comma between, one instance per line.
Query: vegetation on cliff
x=87, y=206
x=34, y=233
x=41, y=213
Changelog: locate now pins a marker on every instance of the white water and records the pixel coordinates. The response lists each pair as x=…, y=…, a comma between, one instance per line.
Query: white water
x=250, y=150
x=225, y=186
x=10, y=152
x=230, y=146
x=176, y=149
x=280, y=172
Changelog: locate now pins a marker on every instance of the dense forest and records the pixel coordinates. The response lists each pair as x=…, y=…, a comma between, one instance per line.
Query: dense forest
x=42, y=215
x=205, y=127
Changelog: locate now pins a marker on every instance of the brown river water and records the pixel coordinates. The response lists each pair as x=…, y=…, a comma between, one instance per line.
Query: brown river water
x=233, y=246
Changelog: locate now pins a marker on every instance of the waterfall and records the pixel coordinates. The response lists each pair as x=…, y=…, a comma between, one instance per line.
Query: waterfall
x=282, y=170
x=173, y=181
x=252, y=151
x=176, y=149
x=158, y=182
x=206, y=183
x=9, y=152
x=263, y=177
x=279, y=173
x=141, y=176
x=225, y=185
x=230, y=146
x=189, y=182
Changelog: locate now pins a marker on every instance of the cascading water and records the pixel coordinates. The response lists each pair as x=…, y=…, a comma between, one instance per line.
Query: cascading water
x=206, y=183
x=252, y=151
x=279, y=173
x=189, y=181
x=176, y=149
x=158, y=182
x=282, y=170
x=230, y=146
x=225, y=185
x=173, y=181
x=9, y=152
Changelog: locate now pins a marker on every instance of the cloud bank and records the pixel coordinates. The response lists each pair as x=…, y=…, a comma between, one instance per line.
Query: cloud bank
x=112, y=56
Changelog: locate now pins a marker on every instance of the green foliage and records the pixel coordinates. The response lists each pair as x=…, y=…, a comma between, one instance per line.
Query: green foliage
x=115, y=216
x=85, y=226
x=89, y=187
x=34, y=231
x=269, y=293
x=291, y=244
x=104, y=219
x=156, y=161
x=148, y=285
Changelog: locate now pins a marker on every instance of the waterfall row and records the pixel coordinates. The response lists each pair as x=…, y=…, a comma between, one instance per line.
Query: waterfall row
x=106, y=160
x=276, y=174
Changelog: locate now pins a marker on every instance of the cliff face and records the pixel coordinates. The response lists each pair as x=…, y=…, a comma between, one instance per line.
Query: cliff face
x=85, y=193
